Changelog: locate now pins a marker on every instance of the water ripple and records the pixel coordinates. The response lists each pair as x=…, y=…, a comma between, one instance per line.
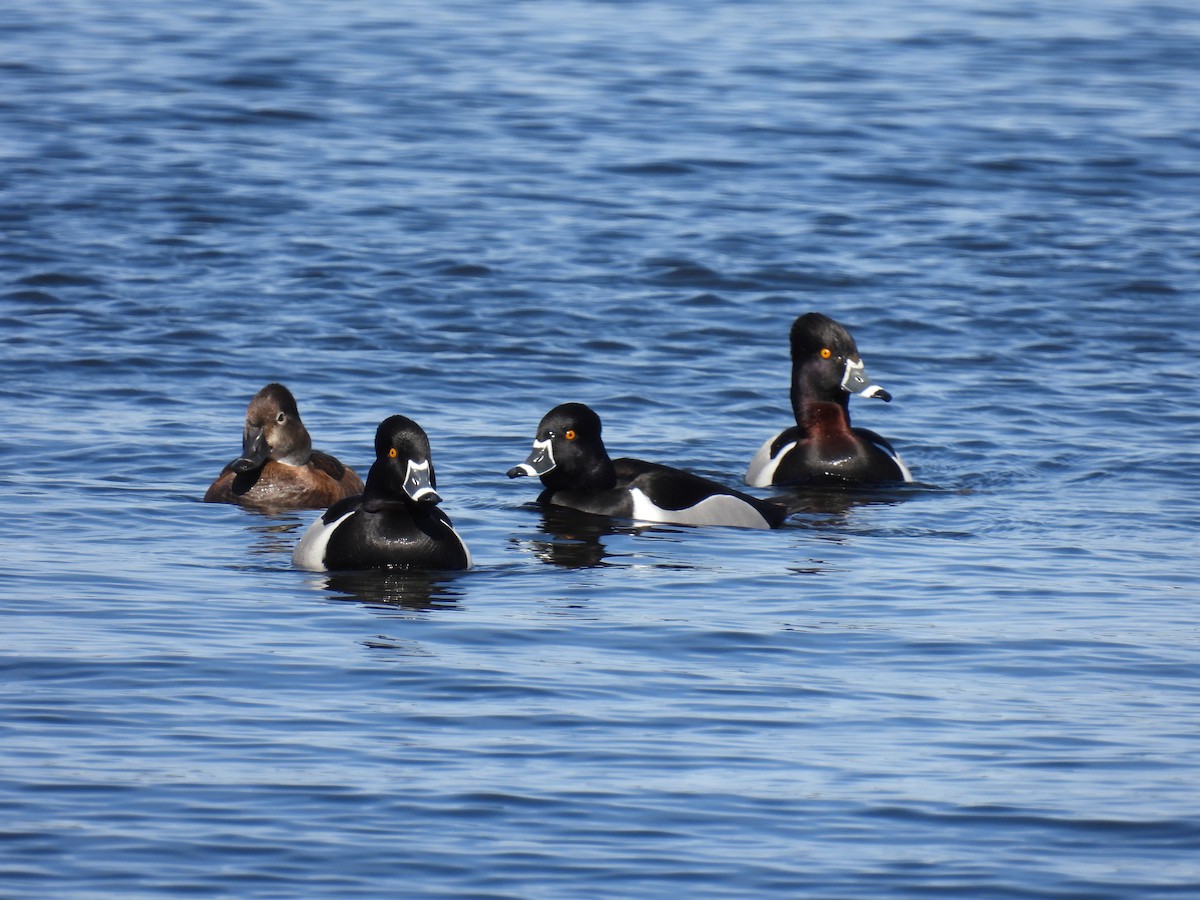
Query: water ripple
x=981, y=683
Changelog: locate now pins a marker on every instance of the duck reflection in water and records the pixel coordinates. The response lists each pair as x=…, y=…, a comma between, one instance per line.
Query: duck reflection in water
x=575, y=540
x=274, y=532
x=393, y=588
x=819, y=506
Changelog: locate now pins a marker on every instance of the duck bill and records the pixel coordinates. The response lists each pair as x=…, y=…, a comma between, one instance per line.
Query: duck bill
x=255, y=452
x=539, y=462
x=855, y=381
x=418, y=482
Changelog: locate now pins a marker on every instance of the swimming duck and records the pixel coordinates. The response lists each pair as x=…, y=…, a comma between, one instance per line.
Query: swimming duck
x=569, y=456
x=278, y=468
x=822, y=447
x=395, y=522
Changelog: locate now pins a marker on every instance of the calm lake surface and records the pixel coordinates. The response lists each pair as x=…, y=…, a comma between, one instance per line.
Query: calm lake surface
x=986, y=684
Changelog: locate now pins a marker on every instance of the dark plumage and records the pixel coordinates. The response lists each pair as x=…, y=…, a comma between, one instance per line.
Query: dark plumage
x=822, y=447
x=570, y=458
x=395, y=522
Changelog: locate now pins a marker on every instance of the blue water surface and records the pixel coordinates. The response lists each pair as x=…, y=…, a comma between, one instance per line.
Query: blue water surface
x=984, y=684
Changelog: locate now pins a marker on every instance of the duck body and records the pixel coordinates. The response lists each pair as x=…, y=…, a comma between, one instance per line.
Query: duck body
x=356, y=533
x=396, y=522
x=826, y=450
x=278, y=468
x=577, y=473
x=321, y=481
x=822, y=447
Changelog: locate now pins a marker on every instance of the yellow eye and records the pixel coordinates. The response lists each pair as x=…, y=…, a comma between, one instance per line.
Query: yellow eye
x=570, y=434
x=826, y=353
x=392, y=453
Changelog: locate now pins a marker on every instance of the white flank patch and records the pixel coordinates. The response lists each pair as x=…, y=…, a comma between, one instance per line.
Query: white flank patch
x=466, y=550
x=761, y=471
x=905, y=474
x=908, y=476
x=310, y=552
x=719, y=509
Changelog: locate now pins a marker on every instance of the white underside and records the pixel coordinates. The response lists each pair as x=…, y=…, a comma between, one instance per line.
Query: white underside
x=719, y=509
x=310, y=552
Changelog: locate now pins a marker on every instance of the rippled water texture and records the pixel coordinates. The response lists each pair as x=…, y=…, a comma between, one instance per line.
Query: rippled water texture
x=983, y=684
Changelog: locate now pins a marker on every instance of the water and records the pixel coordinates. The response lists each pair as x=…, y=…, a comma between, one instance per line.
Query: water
x=983, y=684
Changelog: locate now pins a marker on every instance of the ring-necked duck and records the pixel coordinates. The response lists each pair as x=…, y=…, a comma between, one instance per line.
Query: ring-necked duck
x=395, y=522
x=278, y=468
x=822, y=447
x=569, y=456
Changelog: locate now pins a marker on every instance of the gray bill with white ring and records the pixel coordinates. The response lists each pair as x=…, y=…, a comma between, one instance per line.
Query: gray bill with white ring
x=855, y=380
x=539, y=462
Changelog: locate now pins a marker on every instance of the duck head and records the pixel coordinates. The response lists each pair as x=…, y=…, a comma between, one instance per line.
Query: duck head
x=568, y=452
x=403, y=468
x=273, y=431
x=826, y=366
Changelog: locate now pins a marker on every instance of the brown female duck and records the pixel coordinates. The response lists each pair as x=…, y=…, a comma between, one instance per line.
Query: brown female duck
x=278, y=468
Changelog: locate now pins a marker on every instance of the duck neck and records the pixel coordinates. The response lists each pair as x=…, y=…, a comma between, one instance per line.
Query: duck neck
x=380, y=486
x=805, y=406
x=602, y=476
x=598, y=475
x=298, y=452
x=824, y=418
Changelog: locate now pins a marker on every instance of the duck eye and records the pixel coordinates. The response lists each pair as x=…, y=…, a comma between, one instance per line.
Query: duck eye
x=826, y=353
x=279, y=418
x=569, y=434
x=392, y=454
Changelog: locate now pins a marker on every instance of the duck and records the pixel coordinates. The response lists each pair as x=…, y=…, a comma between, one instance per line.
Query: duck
x=570, y=458
x=822, y=447
x=278, y=468
x=395, y=523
